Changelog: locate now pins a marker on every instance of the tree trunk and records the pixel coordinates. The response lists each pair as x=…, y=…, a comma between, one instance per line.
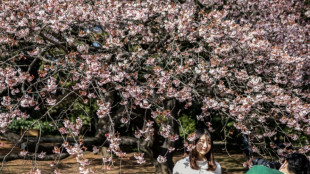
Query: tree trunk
x=167, y=167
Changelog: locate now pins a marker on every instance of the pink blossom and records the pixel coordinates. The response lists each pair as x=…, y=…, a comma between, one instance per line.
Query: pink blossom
x=56, y=150
x=63, y=130
x=24, y=115
x=65, y=144
x=149, y=123
x=34, y=52
x=83, y=48
x=161, y=159
x=191, y=137
x=107, y=159
x=23, y=153
x=76, y=149
x=171, y=149
x=23, y=33
x=138, y=134
x=174, y=137
x=27, y=101
x=145, y=104
x=42, y=155
x=103, y=110
x=139, y=157
x=95, y=149
x=155, y=114
x=165, y=130
x=51, y=85
x=37, y=171
x=294, y=137
x=190, y=147
x=6, y=101
x=124, y=120
x=51, y=101
x=308, y=130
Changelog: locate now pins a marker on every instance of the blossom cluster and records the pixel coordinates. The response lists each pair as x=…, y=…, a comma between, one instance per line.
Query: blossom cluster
x=147, y=132
x=74, y=128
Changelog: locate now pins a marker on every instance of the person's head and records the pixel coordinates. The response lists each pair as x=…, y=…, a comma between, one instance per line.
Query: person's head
x=296, y=163
x=203, y=149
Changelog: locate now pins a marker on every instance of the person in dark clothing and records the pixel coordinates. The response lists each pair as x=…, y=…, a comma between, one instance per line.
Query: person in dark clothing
x=295, y=163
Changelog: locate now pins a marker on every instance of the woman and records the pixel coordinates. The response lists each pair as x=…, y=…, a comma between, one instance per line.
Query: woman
x=200, y=159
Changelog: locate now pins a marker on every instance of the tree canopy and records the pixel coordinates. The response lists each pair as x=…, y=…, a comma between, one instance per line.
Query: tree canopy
x=143, y=62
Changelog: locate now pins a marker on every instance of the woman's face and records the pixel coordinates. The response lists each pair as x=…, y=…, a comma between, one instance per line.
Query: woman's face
x=203, y=145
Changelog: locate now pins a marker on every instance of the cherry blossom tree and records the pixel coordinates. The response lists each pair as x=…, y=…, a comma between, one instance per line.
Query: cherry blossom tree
x=141, y=62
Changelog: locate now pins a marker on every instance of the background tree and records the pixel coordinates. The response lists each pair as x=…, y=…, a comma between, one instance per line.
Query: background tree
x=142, y=63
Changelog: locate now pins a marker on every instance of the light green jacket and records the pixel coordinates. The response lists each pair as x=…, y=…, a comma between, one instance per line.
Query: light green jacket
x=258, y=169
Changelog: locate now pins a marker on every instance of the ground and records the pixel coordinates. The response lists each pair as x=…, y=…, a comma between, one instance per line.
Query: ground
x=230, y=163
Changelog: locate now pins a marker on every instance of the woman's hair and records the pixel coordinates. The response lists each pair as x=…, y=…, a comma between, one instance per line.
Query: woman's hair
x=298, y=163
x=193, y=155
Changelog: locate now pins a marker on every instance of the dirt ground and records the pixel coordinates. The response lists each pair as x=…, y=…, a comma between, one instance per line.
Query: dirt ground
x=231, y=164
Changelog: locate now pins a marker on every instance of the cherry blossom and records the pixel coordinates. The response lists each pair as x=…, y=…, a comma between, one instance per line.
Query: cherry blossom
x=95, y=149
x=23, y=153
x=161, y=159
x=245, y=62
x=139, y=157
x=42, y=155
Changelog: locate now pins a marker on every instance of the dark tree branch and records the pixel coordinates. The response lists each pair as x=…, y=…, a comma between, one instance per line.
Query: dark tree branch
x=32, y=157
x=54, y=42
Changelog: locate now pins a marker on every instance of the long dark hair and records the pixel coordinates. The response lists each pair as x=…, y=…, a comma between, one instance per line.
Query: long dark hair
x=193, y=155
x=298, y=163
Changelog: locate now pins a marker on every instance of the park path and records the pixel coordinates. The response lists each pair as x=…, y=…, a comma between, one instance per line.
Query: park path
x=230, y=164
